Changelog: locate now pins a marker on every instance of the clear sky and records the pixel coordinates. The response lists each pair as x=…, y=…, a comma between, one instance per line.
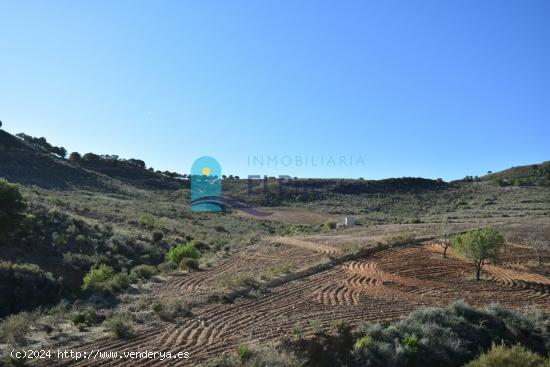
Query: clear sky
x=411, y=88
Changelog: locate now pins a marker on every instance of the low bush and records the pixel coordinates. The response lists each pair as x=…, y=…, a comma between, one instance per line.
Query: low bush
x=86, y=317
x=12, y=206
x=502, y=356
x=177, y=253
x=450, y=336
x=280, y=269
x=399, y=239
x=247, y=356
x=363, y=342
x=103, y=278
x=188, y=263
x=244, y=352
x=143, y=272
x=330, y=224
x=14, y=328
x=171, y=310
x=238, y=281
x=24, y=287
x=166, y=267
x=157, y=236
x=120, y=327
x=98, y=276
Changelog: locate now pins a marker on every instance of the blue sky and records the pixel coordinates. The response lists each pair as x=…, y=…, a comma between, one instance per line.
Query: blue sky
x=424, y=88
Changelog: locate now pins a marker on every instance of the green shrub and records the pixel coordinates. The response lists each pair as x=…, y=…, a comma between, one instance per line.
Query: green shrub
x=157, y=236
x=297, y=331
x=264, y=357
x=15, y=362
x=143, y=272
x=449, y=336
x=238, y=281
x=169, y=311
x=363, y=342
x=341, y=327
x=516, y=356
x=283, y=268
x=14, y=328
x=316, y=326
x=97, y=277
x=24, y=287
x=12, y=206
x=412, y=343
x=188, y=263
x=244, y=352
x=86, y=317
x=166, y=267
x=399, y=239
x=120, y=328
x=119, y=282
x=103, y=278
x=177, y=253
x=147, y=221
x=330, y=224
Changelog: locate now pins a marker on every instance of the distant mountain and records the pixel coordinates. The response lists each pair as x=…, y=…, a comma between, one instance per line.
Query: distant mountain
x=26, y=162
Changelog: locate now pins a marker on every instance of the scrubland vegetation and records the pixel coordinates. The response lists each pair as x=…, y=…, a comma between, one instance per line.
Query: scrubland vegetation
x=452, y=336
x=99, y=246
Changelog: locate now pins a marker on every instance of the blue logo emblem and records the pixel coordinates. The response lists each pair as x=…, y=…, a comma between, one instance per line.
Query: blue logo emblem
x=206, y=185
x=206, y=190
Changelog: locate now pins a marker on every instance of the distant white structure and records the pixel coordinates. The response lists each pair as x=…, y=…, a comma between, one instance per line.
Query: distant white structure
x=349, y=221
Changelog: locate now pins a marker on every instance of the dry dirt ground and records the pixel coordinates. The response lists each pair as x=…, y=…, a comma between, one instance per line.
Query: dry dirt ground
x=385, y=285
x=292, y=215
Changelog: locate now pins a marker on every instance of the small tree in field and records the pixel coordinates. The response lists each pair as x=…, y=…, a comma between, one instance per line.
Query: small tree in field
x=539, y=245
x=479, y=245
x=445, y=231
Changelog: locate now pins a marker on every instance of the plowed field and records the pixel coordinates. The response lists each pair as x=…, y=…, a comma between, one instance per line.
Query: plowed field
x=385, y=285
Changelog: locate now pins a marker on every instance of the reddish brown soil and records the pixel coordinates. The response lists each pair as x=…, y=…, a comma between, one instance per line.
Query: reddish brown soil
x=383, y=286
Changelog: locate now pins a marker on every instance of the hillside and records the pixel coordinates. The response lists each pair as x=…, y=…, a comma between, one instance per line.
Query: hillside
x=510, y=193
x=30, y=164
x=533, y=174
x=114, y=223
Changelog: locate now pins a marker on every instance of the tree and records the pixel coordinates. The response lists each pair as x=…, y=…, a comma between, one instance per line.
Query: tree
x=75, y=157
x=538, y=244
x=0, y=123
x=479, y=245
x=137, y=162
x=445, y=231
x=60, y=151
x=12, y=206
x=90, y=157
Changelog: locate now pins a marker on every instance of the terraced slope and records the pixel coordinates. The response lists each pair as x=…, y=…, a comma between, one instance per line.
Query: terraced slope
x=383, y=286
x=258, y=260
